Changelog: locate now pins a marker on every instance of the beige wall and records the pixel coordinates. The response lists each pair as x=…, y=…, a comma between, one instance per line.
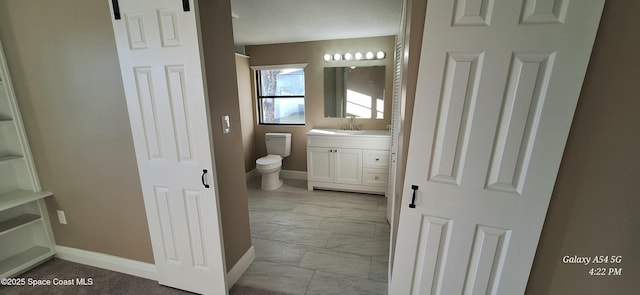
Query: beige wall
x=246, y=115
x=312, y=53
x=413, y=43
x=222, y=87
x=412, y=39
x=594, y=208
x=65, y=72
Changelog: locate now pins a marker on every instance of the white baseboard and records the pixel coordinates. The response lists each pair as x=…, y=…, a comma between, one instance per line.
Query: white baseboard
x=292, y=174
x=252, y=174
x=241, y=266
x=138, y=268
x=286, y=174
x=110, y=262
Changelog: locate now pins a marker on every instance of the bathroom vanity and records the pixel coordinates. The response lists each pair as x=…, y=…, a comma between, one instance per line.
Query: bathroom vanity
x=348, y=160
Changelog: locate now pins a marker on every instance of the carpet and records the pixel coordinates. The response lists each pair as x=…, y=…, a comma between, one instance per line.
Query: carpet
x=102, y=282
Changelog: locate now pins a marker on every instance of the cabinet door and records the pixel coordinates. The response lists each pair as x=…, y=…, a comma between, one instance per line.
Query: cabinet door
x=348, y=166
x=320, y=164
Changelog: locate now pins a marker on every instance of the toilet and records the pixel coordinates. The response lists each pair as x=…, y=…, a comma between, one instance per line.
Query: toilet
x=278, y=147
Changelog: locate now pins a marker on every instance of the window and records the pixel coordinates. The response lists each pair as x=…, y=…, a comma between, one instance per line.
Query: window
x=281, y=95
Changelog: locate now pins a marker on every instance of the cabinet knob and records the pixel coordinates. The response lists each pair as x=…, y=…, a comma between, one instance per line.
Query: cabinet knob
x=377, y=159
x=377, y=177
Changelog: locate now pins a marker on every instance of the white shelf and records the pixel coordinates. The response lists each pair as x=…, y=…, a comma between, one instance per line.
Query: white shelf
x=7, y=158
x=24, y=260
x=17, y=223
x=20, y=197
x=26, y=238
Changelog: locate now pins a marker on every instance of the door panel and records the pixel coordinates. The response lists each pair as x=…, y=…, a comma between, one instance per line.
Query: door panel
x=457, y=104
x=179, y=112
x=159, y=53
x=519, y=119
x=498, y=83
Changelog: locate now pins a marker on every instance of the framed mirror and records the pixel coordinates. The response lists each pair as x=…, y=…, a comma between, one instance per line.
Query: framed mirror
x=354, y=91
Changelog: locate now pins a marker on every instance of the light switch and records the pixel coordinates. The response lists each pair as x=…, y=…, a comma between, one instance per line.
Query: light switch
x=226, y=126
x=61, y=217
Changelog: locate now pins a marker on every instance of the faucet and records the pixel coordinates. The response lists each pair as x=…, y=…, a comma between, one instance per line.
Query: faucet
x=350, y=124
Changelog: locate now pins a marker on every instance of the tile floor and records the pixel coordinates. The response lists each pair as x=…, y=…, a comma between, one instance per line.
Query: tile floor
x=317, y=242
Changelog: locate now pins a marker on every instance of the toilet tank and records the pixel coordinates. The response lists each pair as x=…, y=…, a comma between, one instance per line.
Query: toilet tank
x=278, y=144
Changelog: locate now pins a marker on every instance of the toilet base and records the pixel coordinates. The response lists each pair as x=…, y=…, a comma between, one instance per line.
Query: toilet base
x=271, y=181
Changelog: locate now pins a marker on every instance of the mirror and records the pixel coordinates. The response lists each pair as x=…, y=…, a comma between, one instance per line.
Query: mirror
x=354, y=91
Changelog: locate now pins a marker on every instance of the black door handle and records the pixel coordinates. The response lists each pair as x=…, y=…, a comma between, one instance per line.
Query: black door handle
x=204, y=172
x=413, y=199
x=185, y=5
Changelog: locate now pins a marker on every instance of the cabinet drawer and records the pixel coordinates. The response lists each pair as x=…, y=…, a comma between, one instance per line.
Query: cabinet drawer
x=375, y=158
x=375, y=176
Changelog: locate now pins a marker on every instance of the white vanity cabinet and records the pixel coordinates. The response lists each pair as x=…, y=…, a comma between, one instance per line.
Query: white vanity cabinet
x=334, y=165
x=348, y=160
x=25, y=232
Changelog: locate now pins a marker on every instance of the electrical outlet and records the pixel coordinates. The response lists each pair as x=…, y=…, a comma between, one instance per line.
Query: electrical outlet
x=61, y=217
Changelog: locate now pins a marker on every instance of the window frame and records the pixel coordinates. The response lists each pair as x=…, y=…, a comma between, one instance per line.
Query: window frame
x=259, y=97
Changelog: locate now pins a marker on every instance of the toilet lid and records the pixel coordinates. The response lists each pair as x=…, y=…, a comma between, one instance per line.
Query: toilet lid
x=268, y=160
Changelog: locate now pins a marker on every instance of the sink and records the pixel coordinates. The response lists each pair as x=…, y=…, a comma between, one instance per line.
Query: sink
x=350, y=131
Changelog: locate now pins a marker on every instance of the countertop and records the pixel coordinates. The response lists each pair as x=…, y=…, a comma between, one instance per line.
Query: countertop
x=354, y=133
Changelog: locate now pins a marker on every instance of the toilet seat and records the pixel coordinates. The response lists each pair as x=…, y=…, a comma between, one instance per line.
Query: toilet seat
x=269, y=161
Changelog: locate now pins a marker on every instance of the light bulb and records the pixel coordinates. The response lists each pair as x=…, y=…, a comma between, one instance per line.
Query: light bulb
x=358, y=56
x=347, y=56
x=369, y=55
x=337, y=56
x=380, y=55
x=327, y=57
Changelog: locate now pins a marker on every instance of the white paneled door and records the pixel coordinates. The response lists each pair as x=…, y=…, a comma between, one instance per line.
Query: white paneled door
x=498, y=83
x=158, y=48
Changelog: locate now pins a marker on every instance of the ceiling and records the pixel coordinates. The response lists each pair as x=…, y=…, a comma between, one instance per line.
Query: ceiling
x=283, y=21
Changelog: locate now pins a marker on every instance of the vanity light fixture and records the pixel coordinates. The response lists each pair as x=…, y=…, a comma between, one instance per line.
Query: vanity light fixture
x=328, y=57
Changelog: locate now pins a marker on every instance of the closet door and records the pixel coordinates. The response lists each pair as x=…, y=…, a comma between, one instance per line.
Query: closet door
x=158, y=49
x=498, y=83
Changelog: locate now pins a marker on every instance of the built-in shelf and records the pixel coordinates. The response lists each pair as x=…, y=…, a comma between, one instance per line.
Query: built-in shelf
x=26, y=258
x=26, y=238
x=7, y=158
x=17, y=222
x=20, y=197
